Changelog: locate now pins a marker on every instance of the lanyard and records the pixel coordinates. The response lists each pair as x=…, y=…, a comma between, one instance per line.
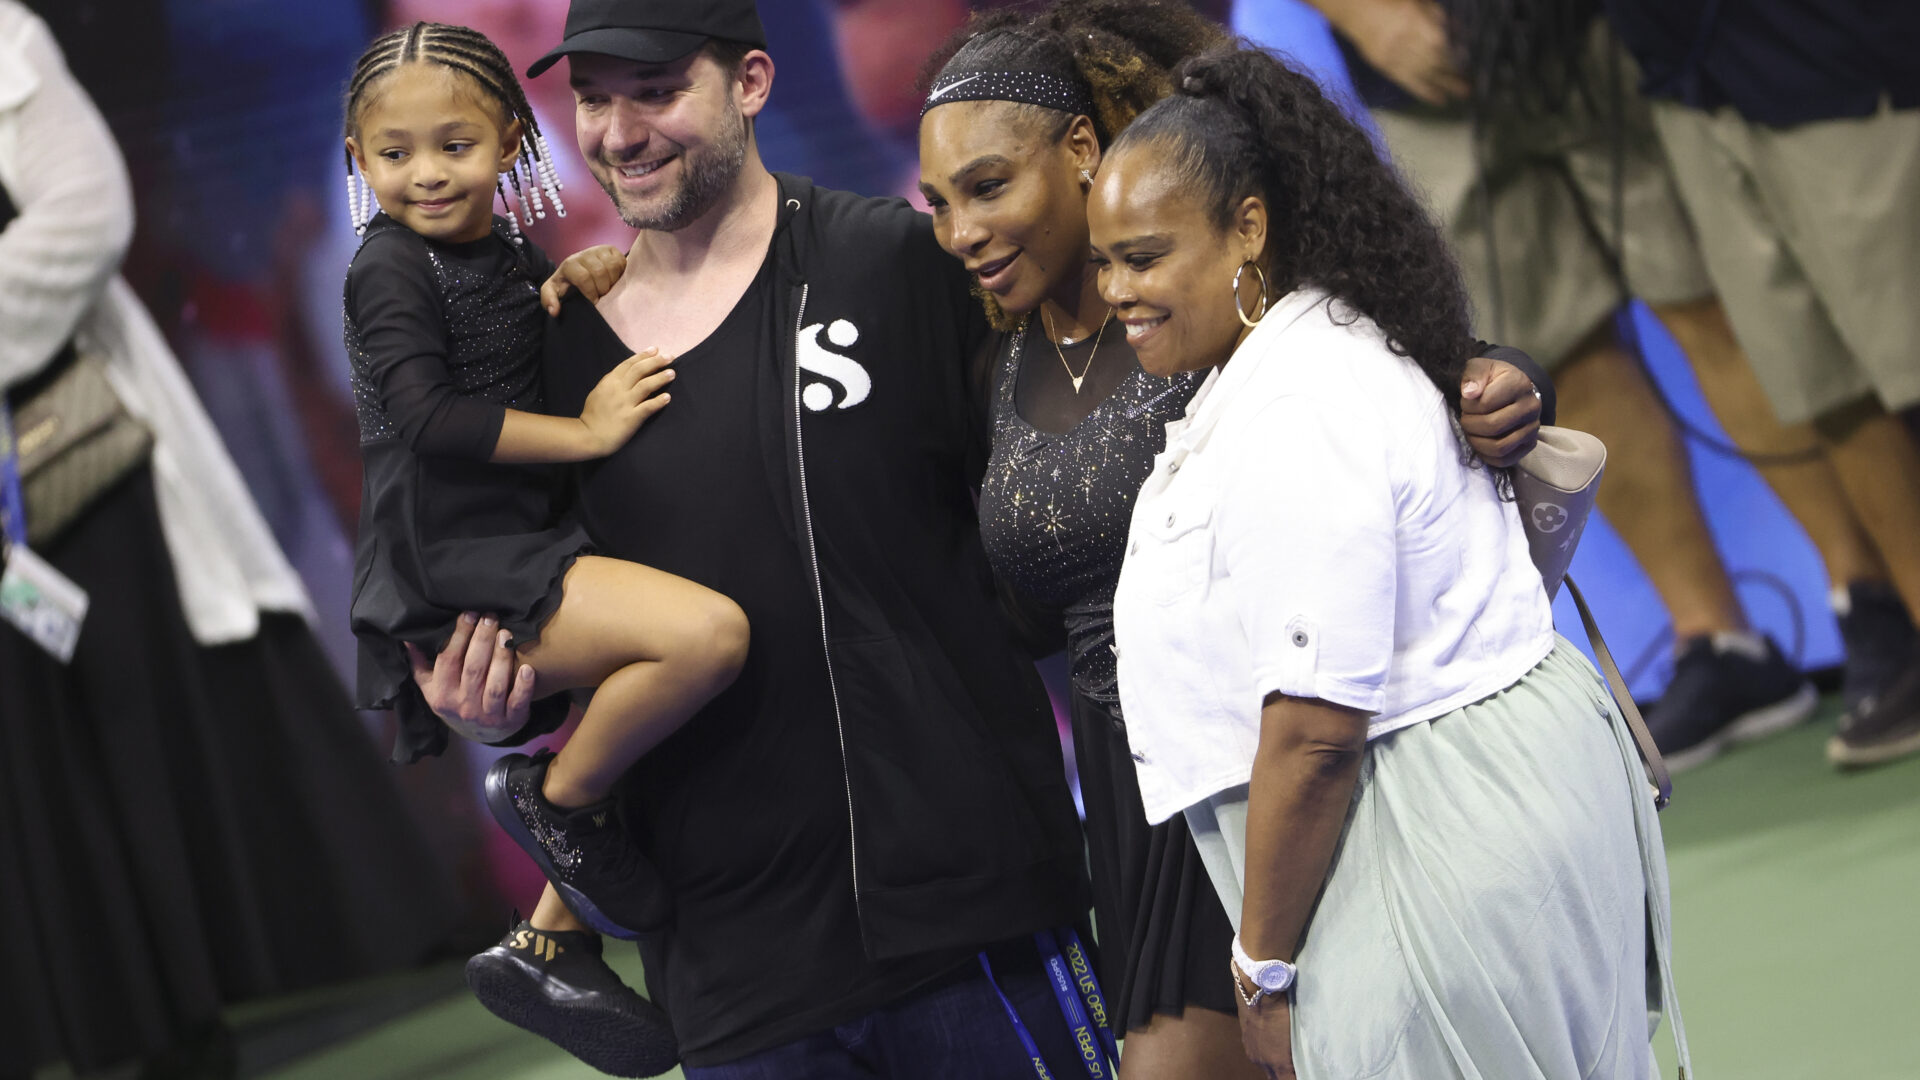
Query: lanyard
x=1081, y=965
x=13, y=503
x=1077, y=991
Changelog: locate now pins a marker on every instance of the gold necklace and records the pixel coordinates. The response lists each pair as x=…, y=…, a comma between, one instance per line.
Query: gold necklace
x=1047, y=325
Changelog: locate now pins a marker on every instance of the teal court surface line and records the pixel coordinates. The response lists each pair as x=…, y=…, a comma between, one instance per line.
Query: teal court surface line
x=1796, y=924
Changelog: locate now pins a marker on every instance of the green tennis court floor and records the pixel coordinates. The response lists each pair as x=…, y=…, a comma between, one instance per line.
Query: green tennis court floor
x=1796, y=925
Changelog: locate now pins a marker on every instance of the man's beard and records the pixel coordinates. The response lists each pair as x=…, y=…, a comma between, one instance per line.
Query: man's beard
x=704, y=178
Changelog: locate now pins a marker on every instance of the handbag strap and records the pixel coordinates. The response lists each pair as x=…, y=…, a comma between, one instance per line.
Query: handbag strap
x=1623, y=699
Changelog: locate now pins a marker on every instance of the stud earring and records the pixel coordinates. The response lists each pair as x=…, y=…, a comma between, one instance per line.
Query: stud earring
x=1086, y=177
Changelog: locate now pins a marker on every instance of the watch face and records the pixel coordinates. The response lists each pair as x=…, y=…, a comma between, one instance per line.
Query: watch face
x=1275, y=978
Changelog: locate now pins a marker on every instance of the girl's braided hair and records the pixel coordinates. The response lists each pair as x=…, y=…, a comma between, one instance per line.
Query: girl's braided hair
x=470, y=53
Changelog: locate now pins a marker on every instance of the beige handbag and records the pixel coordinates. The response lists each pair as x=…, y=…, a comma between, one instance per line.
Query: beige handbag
x=1555, y=486
x=75, y=440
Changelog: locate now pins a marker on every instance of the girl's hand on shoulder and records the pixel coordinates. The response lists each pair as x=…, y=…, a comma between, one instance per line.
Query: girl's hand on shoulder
x=1266, y=1031
x=592, y=272
x=625, y=398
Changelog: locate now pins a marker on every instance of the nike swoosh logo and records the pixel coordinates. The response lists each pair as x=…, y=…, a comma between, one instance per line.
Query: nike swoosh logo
x=950, y=88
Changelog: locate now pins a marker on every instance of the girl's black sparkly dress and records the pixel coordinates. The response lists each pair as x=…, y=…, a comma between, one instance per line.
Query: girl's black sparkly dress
x=444, y=338
x=1054, y=512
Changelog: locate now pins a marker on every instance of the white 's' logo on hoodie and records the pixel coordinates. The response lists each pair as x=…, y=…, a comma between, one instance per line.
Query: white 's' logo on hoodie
x=831, y=369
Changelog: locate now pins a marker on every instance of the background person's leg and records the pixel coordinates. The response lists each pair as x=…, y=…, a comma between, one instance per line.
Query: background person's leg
x=1727, y=684
x=1809, y=488
x=1811, y=237
x=1877, y=461
x=1878, y=634
x=1648, y=494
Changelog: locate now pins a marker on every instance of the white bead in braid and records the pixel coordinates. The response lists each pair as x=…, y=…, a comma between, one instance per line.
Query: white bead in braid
x=369, y=204
x=360, y=202
x=506, y=205
x=549, y=176
x=353, y=202
x=525, y=175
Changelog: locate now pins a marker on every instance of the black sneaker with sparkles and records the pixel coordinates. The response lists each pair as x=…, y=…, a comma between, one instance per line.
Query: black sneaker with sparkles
x=555, y=984
x=1881, y=643
x=1888, y=728
x=1725, y=691
x=586, y=853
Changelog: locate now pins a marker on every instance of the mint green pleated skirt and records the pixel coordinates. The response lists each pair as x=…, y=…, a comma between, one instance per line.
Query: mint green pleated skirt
x=1497, y=909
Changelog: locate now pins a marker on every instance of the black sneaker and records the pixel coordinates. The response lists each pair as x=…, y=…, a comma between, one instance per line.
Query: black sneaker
x=1881, y=643
x=1724, y=692
x=554, y=984
x=586, y=853
x=1888, y=728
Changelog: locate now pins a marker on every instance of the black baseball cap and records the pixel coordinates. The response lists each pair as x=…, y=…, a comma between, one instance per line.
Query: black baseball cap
x=653, y=31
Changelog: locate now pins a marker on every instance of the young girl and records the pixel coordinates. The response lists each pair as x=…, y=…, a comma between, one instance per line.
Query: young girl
x=444, y=329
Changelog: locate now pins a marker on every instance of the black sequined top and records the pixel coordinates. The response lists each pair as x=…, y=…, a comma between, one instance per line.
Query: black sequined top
x=443, y=339
x=1055, y=507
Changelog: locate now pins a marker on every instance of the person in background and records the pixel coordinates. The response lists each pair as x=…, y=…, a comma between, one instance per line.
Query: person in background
x=1511, y=128
x=1427, y=821
x=190, y=811
x=1793, y=129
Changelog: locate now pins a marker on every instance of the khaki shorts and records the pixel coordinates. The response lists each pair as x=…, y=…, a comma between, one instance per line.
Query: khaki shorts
x=1546, y=284
x=1812, y=235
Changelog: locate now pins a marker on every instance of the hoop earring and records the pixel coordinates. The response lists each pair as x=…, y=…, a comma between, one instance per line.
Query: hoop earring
x=1255, y=321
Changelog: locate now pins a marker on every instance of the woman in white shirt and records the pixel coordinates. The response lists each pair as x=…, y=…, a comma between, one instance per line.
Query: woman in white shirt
x=1335, y=655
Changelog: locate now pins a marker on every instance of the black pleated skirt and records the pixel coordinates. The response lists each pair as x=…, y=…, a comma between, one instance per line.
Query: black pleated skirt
x=1164, y=938
x=183, y=827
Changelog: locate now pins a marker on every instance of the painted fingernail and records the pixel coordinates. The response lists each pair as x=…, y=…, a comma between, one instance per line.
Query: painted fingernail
x=468, y=618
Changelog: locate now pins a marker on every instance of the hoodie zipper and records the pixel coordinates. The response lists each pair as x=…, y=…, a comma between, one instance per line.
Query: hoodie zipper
x=820, y=598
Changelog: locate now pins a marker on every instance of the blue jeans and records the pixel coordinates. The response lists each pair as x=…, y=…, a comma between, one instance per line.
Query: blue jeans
x=955, y=1032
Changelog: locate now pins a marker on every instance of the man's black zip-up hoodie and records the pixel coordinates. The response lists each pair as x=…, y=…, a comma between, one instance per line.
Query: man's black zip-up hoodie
x=948, y=786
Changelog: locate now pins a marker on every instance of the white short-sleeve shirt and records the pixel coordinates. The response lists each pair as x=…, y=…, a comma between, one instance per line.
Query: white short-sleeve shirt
x=1314, y=528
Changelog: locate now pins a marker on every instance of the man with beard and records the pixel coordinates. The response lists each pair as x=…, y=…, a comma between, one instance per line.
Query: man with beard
x=864, y=833
x=880, y=796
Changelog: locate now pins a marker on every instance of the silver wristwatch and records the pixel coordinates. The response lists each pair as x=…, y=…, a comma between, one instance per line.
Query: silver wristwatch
x=1270, y=978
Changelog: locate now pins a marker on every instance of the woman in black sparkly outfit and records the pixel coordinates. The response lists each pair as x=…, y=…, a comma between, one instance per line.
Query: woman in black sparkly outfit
x=1017, y=114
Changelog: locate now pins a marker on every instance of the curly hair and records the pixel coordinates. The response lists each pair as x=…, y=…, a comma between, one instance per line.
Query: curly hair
x=1242, y=123
x=1122, y=51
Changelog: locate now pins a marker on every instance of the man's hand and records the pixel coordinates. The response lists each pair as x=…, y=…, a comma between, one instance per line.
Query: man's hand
x=473, y=685
x=592, y=272
x=1407, y=41
x=1499, y=411
x=625, y=398
x=1266, y=1032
